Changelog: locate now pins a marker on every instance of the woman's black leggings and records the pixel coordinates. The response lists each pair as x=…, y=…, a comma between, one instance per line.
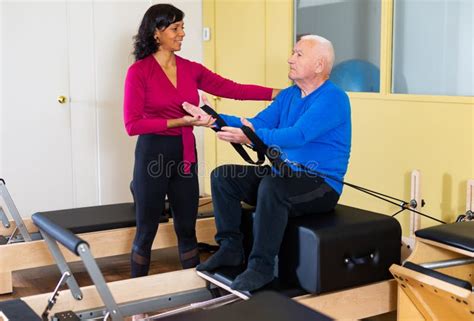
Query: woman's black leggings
x=158, y=172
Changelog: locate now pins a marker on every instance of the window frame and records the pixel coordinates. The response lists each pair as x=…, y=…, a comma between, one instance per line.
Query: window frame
x=386, y=61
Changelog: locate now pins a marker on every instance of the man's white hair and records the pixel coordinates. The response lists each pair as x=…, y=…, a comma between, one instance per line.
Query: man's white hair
x=324, y=48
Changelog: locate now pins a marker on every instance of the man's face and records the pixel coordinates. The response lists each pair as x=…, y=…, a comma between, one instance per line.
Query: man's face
x=302, y=61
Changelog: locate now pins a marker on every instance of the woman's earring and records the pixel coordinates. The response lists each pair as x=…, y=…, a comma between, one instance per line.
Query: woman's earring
x=157, y=41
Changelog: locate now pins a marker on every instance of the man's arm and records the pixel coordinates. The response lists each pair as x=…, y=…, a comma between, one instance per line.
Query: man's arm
x=267, y=118
x=317, y=120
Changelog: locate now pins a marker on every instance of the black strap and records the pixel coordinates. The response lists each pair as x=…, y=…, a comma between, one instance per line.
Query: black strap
x=272, y=153
x=238, y=147
x=219, y=121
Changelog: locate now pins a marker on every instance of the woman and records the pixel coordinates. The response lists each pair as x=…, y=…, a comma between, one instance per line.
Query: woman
x=156, y=86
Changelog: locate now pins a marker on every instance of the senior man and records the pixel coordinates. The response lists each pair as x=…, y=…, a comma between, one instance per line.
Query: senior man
x=310, y=122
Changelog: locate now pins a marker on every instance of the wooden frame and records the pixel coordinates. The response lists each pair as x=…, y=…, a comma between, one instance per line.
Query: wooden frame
x=408, y=242
x=356, y=303
x=26, y=255
x=470, y=196
x=351, y=304
x=422, y=297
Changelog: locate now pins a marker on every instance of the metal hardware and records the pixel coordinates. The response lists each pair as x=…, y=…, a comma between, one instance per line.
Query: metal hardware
x=206, y=34
x=62, y=265
x=10, y=205
x=226, y=299
x=52, y=300
x=447, y=263
x=62, y=99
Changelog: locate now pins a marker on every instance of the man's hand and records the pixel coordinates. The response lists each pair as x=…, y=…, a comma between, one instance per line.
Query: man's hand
x=245, y=122
x=235, y=135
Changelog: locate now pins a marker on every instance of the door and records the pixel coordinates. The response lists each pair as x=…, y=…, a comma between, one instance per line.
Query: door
x=35, y=127
x=74, y=154
x=115, y=24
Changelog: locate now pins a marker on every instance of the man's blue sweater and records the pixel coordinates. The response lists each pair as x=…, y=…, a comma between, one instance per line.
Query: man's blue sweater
x=314, y=131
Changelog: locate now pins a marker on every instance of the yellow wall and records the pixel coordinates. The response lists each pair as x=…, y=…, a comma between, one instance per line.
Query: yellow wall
x=392, y=134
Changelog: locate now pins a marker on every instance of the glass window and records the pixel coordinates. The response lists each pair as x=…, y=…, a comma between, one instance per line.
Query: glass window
x=354, y=29
x=432, y=47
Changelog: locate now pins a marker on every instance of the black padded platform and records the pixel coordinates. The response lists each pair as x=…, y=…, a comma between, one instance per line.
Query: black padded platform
x=344, y=248
x=460, y=235
x=264, y=306
x=18, y=310
x=94, y=218
x=100, y=218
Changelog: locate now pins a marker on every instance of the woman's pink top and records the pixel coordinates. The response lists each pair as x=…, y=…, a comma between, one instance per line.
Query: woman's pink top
x=150, y=98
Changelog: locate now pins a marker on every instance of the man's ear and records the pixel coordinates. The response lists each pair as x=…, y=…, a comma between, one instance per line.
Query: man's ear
x=320, y=65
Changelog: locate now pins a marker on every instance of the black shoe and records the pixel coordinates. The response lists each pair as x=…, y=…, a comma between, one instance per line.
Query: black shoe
x=251, y=280
x=223, y=257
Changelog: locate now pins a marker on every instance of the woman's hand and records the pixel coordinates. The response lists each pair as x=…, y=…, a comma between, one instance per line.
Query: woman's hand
x=198, y=116
x=199, y=120
x=195, y=110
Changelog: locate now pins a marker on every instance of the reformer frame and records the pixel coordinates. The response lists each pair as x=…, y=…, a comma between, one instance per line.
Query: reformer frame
x=165, y=290
x=351, y=304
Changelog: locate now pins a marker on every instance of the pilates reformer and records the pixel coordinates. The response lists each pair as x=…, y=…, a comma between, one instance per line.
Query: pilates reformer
x=97, y=225
x=427, y=294
x=185, y=296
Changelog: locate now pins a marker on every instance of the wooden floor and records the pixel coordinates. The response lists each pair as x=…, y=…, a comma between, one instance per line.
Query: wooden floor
x=44, y=279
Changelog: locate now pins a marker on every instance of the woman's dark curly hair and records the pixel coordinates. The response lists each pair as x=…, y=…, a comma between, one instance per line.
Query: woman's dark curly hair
x=159, y=16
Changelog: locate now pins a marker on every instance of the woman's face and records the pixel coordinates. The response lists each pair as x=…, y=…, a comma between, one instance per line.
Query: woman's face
x=170, y=39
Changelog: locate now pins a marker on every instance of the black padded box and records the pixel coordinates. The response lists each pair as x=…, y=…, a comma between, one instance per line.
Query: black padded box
x=331, y=251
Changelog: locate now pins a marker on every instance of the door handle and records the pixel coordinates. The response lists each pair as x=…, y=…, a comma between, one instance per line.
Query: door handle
x=62, y=99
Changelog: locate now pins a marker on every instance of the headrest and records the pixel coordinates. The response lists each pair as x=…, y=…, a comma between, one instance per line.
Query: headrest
x=460, y=235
